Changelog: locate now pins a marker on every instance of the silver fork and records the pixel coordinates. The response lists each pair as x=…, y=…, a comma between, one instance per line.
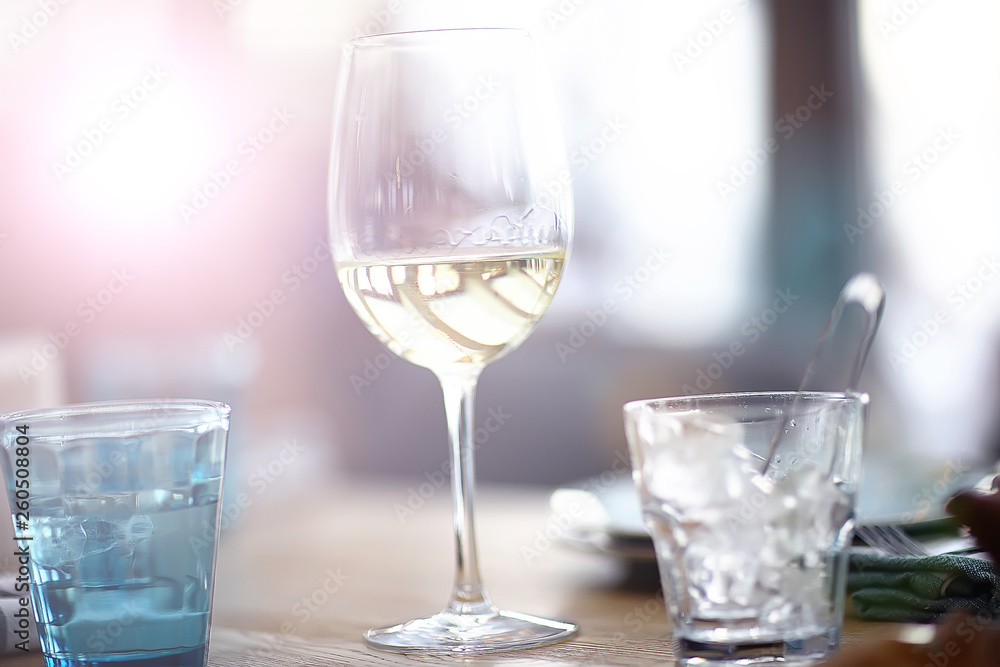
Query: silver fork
x=890, y=539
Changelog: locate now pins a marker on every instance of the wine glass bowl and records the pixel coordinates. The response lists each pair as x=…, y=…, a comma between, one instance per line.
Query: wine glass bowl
x=450, y=245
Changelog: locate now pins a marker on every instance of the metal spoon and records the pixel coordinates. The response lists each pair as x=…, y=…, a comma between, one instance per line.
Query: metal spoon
x=865, y=290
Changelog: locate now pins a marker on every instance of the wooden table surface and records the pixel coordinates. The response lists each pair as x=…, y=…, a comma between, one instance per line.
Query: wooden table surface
x=306, y=570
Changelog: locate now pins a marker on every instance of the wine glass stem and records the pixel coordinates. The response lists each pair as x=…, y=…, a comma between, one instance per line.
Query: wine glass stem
x=468, y=595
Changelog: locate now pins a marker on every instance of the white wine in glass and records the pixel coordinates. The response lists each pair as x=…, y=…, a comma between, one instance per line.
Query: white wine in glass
x=450, y=223
x=454, y=310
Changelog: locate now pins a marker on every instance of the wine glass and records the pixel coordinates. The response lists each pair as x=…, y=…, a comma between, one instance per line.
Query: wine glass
x=450, y=222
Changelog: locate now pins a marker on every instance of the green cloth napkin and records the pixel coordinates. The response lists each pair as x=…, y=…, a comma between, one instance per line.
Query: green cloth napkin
x=908, y=589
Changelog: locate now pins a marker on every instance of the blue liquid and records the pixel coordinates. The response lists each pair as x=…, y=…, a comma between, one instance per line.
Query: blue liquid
x=195, y=658
x=125, y=580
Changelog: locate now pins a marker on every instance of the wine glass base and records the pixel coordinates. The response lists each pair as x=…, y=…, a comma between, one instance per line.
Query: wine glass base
x=454, y=633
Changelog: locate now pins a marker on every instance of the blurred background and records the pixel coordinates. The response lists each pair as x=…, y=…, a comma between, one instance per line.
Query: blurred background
x=163, y=221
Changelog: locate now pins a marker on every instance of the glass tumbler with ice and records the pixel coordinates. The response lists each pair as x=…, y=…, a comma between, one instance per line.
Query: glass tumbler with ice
x=751, y=547
x=116, y=514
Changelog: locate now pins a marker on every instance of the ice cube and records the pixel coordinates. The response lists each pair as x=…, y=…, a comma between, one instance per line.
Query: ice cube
x=167, y=459
x=801, y=520
x=808, y=509
x=102, y=535
x=208, y=456
x=59, y=543
x=139, y=528
x=724, y=576
x=695, y=460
